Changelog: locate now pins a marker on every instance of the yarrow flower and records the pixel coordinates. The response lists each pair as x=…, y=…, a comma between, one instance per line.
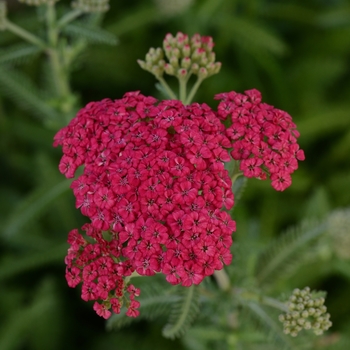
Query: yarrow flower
x=263, y=138
x=154, y=185
x=154, y=179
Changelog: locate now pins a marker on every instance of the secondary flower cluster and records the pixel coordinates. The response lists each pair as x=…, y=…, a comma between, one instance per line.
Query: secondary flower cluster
x=154, y=178
x=264, y=139
x=94, y=262
x=305, y=312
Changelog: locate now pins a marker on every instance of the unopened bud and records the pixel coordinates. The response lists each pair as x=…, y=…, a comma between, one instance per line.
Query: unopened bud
x=202, y=73
x=307, y=312
x=186, y=63
x=182, y=73
x=174, y=61
x=91, y=5
x=186, y=50
x=169, y=69
x=37, y=2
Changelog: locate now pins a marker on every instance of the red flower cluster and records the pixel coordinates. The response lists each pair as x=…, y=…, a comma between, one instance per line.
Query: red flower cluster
x=96, y=265
x=263, y=138
x=154, y=178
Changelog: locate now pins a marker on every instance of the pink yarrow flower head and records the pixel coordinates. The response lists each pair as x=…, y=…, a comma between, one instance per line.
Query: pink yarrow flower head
x=154, y=178
x=263, y=138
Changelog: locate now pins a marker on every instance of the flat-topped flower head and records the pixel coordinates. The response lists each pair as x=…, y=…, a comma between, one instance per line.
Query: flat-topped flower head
x=263, y=138
x=154, y=178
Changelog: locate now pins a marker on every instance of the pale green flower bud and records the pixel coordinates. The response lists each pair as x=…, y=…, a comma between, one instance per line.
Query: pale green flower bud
x=173, y=7
x=169, y=69
x=202, y=73
x=37, y=2
x=186, y=51
x=91, y=5
x=306, y=312
x=186, y=63
x=339, y=231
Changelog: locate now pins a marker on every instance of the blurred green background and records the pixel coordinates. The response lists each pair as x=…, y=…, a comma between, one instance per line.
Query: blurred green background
x=296, y=52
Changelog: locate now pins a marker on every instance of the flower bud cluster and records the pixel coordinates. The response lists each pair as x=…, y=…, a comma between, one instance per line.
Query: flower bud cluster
x=339, y=230
x=305, y=312
x=37, y=2
x=154, y=62
x=91, y=5
x=3, y=15
x=154, y=178
x=186, y=56
x=264, y=139
x=173, y=7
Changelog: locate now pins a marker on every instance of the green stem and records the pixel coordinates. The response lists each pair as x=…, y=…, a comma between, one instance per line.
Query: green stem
x=193, y=90
x=183, y=85
x=128, y=278
x=235, y=176
x=24, y=34
x=222, y=280
x=274, y=303
x=56, y=61
x=167, y=88
x=249, y=295
x=68, y=17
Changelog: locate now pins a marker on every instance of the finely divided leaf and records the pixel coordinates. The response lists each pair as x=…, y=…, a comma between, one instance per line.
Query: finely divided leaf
x=182, y=313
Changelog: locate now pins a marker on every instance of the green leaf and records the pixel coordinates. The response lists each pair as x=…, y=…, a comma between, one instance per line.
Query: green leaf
x=274, y=330
x=18, y=53
x=155, y=302
x=182, y=314
x=34, y=205
x=239, y=187
x=133, y=20
x=94, y=34
x=17, y=265
x=289, y=249
x=319, y=123
x=253, y=37
x=22, y=92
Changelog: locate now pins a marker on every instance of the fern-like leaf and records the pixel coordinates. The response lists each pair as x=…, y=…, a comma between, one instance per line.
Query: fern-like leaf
x=18, y=54
x=19, y=88
x=95, y=35
x=291, y=247
x=256, y=314
x=155, y=302
x=33, y=205
x=238, y=188
x=183, y=313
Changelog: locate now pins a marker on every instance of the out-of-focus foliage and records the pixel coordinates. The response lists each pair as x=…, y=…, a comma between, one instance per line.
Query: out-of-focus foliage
x=296, y=52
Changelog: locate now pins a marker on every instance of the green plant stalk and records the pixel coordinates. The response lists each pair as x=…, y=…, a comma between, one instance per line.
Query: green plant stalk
x=25, y=35
x=167, y=88
x=58, y=69
x=249, y=295
x=222, y=280
x=193, y=90
x=183, y=86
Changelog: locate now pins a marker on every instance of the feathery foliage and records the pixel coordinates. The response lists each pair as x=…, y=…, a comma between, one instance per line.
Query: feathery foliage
x=18, y=54
x=183, y=313
x=289, y=248
x=91, y=34
x=155, y=302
